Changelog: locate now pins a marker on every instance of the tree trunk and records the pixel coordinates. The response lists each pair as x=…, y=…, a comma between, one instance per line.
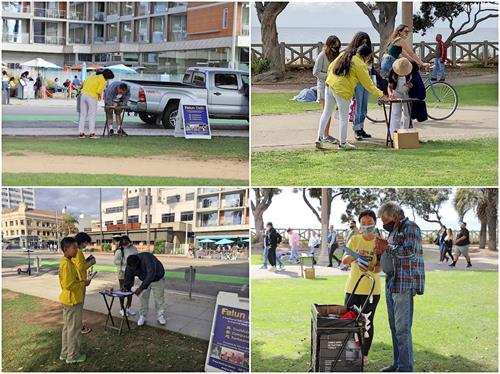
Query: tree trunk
x=482, y=235
x=259, y=225
x=325, y=218
x=387, y=22
x=492, y=217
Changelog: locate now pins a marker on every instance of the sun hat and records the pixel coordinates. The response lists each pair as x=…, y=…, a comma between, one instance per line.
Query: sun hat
x=402, y=66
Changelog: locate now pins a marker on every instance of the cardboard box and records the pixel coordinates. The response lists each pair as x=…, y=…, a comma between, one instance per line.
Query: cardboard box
x=309, y=273
x=406, y=139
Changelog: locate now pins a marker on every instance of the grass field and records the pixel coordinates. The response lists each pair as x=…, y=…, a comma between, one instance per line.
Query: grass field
x=55, y=179
x=435, y=163
x=452, y=331
x=132, y=146
x=31, y=341
x=279, y=102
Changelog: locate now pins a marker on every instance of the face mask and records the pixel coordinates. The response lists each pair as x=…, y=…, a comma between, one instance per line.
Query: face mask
x=367, y=229
x=389, y=226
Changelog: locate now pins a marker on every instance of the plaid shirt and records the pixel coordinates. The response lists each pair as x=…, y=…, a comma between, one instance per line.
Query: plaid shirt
x=405, y=250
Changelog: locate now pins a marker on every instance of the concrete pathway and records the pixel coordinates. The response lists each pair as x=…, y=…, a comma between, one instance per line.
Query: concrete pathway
x=184, y=316
x=296, y=131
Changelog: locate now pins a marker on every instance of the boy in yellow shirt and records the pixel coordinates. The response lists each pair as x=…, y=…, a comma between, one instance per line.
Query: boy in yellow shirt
x=71, y=298
x=83, y=265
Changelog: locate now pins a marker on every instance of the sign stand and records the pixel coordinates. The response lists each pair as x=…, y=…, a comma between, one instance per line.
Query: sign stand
x=228, y=349
x=192, y=120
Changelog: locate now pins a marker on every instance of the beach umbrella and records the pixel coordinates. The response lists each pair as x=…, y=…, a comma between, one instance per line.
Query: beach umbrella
x=206, y=241
x=120, y=68
x=246, y=240
x=224, y=241
x=40, y=63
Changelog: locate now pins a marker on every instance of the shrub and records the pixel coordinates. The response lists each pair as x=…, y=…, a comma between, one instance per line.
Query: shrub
x=106, y=247
x=260, y=65
x=159, y=247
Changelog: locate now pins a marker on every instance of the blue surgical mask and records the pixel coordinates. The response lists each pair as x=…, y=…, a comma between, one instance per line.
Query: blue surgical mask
x=367, y=229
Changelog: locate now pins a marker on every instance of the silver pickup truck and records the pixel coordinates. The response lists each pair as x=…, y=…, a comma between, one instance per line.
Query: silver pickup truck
x=225, y=90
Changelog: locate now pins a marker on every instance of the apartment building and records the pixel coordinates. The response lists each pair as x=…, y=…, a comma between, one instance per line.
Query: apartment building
x=29, y=228
x=158, y=37
x=12, y=197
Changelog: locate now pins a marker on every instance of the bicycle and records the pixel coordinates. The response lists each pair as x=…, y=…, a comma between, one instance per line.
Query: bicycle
x=441, y=100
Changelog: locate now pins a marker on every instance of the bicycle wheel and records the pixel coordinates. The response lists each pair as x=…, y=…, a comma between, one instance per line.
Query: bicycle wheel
x=441, y=100
x=375, y=112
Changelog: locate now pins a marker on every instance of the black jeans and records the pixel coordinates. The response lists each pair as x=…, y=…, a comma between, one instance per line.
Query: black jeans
x=331, y=254
x=271, y=256
x=359, y=300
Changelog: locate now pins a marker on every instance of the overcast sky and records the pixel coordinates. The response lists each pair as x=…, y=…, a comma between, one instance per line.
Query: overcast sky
x=76, y=200
x=335, y=14
x=289, y=210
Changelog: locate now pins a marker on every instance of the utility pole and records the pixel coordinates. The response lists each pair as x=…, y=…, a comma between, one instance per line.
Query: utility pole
x=235, y=35
x=125, y=211
x=148, y=218
x=100, y=217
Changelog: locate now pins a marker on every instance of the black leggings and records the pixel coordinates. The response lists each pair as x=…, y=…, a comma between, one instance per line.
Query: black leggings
x=331, y=254
x=271, y=256
x=359, y=300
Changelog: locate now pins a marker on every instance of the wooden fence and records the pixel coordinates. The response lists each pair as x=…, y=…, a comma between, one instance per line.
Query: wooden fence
x=428, y=236
x=304, y=55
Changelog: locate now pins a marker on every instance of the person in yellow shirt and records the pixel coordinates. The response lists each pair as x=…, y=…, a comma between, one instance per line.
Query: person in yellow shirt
x=343, y=75
x=83, y=265
x=91, y=93
x=71, y=298
x=364, y=244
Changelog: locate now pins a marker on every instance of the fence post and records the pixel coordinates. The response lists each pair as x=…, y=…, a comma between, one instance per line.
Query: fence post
x=453, y=53
x=282, y=54
x=37, y=264
x=485, y=53
x=422, y=50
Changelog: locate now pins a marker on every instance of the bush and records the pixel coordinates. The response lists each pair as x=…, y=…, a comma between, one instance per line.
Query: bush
x=159, y=247
x=260, y=65
x=106, y=247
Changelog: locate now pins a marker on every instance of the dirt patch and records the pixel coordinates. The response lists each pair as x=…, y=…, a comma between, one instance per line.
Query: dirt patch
x=9, y=295
x=152, y=166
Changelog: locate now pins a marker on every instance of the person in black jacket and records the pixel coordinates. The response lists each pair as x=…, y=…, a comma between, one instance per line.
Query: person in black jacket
x=151, y=272
x=272, y=240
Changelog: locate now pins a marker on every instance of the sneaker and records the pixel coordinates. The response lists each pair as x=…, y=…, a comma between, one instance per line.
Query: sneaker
x=330, y=266
x=468, y=265
x=452, y=265
x=81, y=136
x=81, y=358
x=282, y=268
x=346, y=146
x=364, y=134
x=358, y=135
x=141, y=321
x=263, y=267
x=111, y=131
x=330, y=139
x=318, y=144
x=94, y=136
x=131, y=312
x=161, y=320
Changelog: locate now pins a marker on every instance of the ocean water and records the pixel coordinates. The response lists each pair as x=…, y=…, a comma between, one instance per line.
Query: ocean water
x=319, y=34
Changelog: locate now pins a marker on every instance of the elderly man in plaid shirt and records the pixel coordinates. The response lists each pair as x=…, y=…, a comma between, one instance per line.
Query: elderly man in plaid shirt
x=403, y=263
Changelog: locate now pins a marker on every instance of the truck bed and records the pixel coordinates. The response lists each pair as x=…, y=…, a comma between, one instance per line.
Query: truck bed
x=162, y=84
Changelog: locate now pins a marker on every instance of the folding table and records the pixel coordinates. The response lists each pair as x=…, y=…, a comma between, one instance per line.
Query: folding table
x=109, y=305
x=385, y=100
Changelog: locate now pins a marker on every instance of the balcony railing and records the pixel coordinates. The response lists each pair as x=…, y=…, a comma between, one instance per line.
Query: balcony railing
x=77, y=40
x=98, y=39
x=11, y=7
x=77, y=16
x=16, y=38
x=49, y=13
x=46, y=39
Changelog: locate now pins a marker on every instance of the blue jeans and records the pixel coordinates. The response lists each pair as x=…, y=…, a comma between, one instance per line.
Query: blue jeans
x=438, y=66
x=361, y=96
x=294, y=253
x=400, y=312
x=265, y=253
x=386, y=65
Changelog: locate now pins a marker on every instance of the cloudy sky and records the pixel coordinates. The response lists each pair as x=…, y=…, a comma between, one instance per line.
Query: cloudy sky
x=76, y=200
x=289, y=210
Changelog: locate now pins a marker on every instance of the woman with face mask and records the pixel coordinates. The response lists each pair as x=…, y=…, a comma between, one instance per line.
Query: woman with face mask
x=330, y=52
x=364, y=244
x=344, y=73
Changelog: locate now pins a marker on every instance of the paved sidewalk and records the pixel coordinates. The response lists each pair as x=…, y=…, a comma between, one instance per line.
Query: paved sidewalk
x=188, y=317
x=295, y=131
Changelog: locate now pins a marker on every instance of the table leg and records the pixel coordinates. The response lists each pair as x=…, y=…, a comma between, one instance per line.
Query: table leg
x=389, y=126
x=301, y=268
x=108, y=307
x=124, y=311
x=409, y=112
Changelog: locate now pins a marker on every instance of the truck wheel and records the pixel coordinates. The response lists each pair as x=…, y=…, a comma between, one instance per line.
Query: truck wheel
x=148, y=118
x=169, y=115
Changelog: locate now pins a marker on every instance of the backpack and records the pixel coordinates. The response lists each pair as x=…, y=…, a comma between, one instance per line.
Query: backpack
x=278, y=238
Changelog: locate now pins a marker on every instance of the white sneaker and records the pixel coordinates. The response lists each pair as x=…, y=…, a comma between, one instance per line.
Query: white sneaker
x=141, y=321
x=121, y=312
x=272, y=268
x=161, y=320
x=346, y=146
x=131, y=312
x=263, y=267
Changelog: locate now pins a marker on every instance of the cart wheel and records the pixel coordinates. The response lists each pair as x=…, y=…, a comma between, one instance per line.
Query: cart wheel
x=19, y=271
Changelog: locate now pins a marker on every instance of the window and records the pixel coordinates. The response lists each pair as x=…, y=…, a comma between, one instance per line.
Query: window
x=232, y=217
x=168, y=217
x=224, y=18
x=98, y=33
x=226, y=81
x=207, y=219
x=233, y=200
x=142, y=30
x=160, y=7
x=133, y=202
x=173, y=199
x=159, y=30
x=190, y=196
x=127, y=8
x=199, y=79
x=133, y=219
x=143, y=8
x=119, y=221
x=186, y=216
x=148, y=200
x=112, y=32
x=107, y=223
x=209, y=202
x=126, y=32
x=113, y=8
x=146, y=219
x=114, y=209
x=178, y=28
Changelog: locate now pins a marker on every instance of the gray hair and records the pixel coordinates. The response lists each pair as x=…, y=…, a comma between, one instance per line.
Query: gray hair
x=390, y=209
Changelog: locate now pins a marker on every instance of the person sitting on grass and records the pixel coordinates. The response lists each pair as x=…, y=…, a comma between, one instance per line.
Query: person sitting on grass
x=122, y=252
x=344, y=73
x=71, y=298
x=83, y=265
x=364, y=244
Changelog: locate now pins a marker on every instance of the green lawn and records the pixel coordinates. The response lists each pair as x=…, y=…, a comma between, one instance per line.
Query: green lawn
x=279, y=102
x=435, y=163
x=67, y=179
x=453, y=330
x=31, y=341
x=132, y=146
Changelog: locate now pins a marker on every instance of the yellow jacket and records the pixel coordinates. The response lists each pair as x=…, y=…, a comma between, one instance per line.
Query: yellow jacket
x=344, y=86
x=71, y=285
x=81, y=265
x=94, y=85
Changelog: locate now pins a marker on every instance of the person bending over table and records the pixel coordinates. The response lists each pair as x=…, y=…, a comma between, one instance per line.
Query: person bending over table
x=123, y=251
x=116, y=95
x=151, y=272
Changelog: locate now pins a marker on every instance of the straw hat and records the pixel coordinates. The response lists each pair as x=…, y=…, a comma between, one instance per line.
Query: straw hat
x=402, y=66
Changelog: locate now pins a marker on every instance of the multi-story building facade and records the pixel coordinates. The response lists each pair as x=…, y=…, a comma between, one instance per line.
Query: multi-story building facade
x=12, y=197
x=159, y=37
x=28, y=228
